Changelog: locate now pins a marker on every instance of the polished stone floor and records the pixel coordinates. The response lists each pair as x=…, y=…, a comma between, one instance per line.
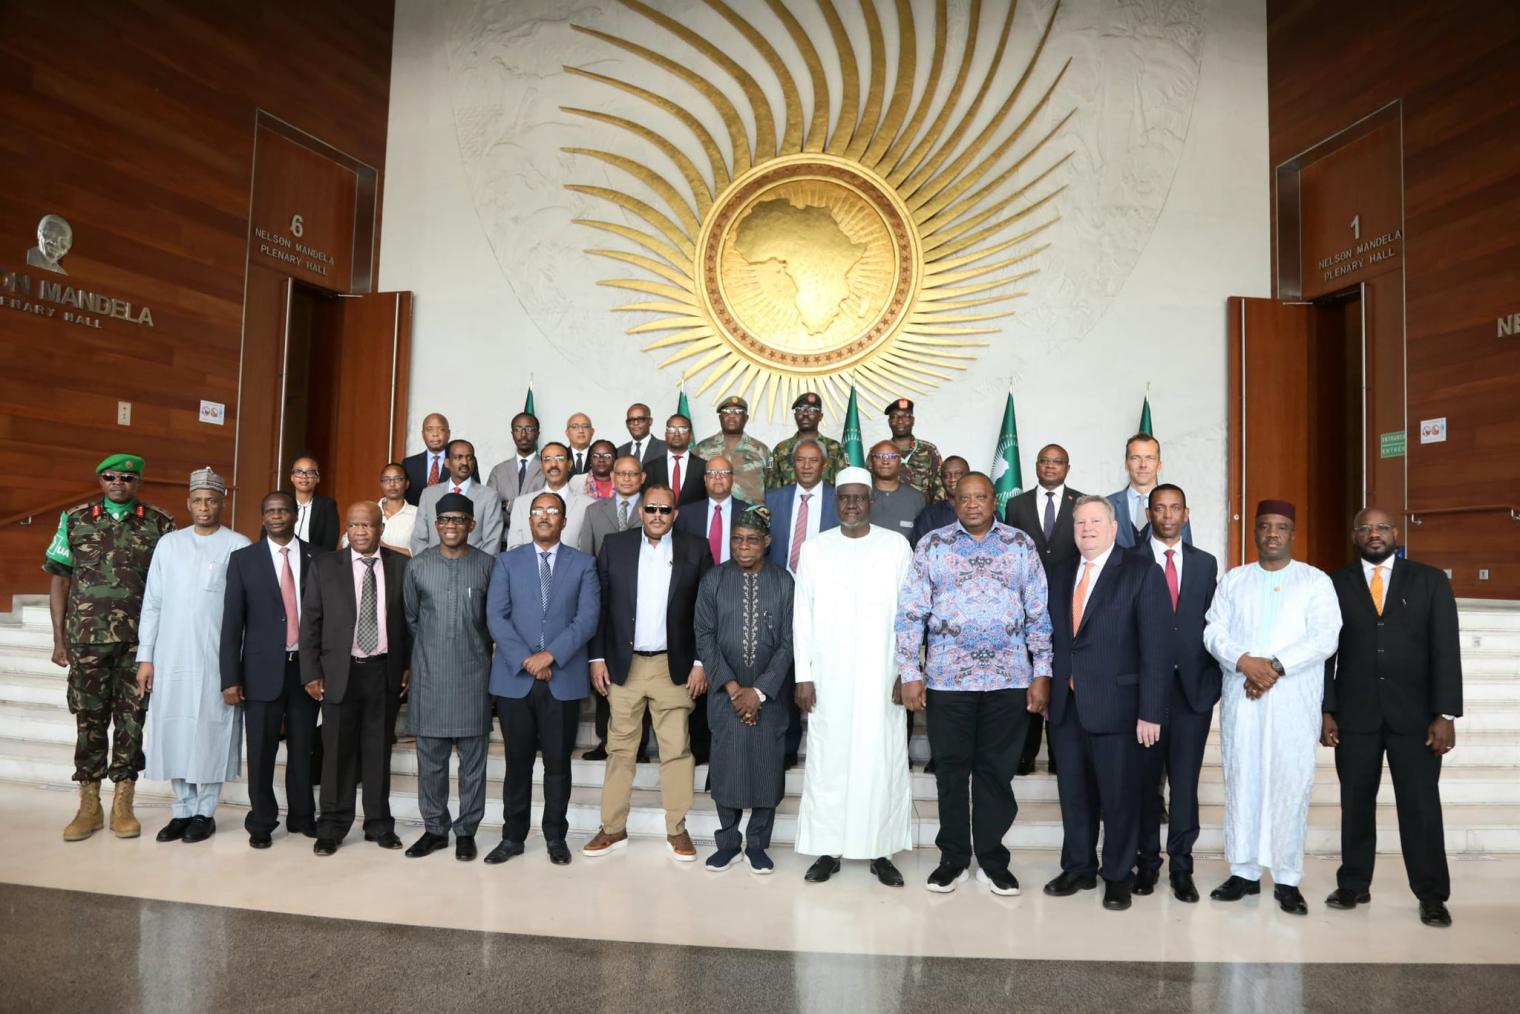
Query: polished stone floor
x=108, y=924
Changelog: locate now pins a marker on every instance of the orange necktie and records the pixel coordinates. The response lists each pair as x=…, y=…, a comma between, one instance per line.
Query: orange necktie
x=1079, y=598
x=1376, y=586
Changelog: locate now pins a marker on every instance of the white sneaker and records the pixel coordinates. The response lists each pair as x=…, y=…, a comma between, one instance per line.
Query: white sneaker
x=1006, y=886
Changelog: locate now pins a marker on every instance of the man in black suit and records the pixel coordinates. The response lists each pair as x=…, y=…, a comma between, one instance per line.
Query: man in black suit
x=430, y=466
x=1111, y=632
x=1193, y=690
x=316, y=515
x=260, y=660
x=640, y=444
x=644, y=655
x=355, y=653
x=942, y=512
x=678, y=468
x=712, y=519
x=1395, y=686
x=1044, y=514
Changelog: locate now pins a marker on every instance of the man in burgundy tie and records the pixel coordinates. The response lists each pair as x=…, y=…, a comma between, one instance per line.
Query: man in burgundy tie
x=259, y=654
x=1191, y=575
x=713, y=518
x=678, y=468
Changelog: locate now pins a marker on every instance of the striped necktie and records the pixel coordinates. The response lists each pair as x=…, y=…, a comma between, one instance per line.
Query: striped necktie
x=544, y=575
x=368, y=634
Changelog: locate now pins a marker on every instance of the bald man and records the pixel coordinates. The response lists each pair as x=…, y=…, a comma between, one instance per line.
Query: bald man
x=579, y=431
x=430, y=465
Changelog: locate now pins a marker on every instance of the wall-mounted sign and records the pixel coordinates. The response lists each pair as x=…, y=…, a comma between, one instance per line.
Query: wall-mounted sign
x=303, y=213
x=1392, y=444
x=1433, y=431
x=291, y=250
x=213, y=412
x=58, y=300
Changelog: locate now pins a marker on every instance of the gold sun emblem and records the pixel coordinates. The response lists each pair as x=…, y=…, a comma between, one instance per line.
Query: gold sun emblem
x=875, y=254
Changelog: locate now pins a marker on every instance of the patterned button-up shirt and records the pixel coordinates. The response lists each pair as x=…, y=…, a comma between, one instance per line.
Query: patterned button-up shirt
x=983, y=605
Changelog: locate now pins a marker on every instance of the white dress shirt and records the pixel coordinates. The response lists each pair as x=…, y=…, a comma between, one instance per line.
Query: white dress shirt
x=1159, y=550
x=441, y=457
x=670, y=470
x=553, y=552
x=303, y=518
x=1043, y=498
x=464, y=487
x=295, y=572
x=1138, y=502
x=1097, y=571
x=655, y=563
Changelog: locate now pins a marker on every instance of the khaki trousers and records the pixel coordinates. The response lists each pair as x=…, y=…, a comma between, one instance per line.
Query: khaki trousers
x=648, y=685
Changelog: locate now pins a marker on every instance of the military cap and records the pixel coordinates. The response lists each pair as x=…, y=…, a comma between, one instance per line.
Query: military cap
x=455, y=503
x=733, y=401
x=807, y=400
x=122, y=462
x=900, y=405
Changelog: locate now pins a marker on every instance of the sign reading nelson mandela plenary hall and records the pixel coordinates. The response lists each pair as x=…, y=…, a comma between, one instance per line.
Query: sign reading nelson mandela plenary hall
x=52, y=295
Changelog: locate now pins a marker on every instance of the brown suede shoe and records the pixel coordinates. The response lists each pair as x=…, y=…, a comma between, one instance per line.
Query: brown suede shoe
x=604, y=843
x=681, y=848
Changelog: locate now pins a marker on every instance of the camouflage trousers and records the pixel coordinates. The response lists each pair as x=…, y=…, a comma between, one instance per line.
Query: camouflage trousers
x=103, y=689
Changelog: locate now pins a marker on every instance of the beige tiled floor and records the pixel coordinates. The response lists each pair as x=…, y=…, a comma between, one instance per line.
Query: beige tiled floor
x=640, y=894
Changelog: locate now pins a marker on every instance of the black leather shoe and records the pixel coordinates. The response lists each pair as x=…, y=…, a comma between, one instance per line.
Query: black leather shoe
x=198, y=830
x=325, y=846
x=259, y=841
x=427, y=845
x=885, y=872
x=822, y=870
x=309, y=831
x=1145, y=882
x=559, y=853
x=1116, y=895
x=174, y=830
x=1051, y=767
x=1290, y=900
x=1068, y=884
x=1026, y=767
x=929, y=767
x=464, y=848
x=790, y=762
x=1433, y=913
x=1235, y=888
x=388, y=840
x=1345, y=899
x=595, y=753
x=504, y=851
x=1183, y=888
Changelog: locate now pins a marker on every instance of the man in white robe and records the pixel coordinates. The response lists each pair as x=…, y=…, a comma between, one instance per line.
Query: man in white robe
x=856, y=797
x=194, y=734
x=1272, y=625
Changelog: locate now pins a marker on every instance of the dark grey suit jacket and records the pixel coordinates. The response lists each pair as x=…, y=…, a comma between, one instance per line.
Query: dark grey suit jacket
x=329, y=612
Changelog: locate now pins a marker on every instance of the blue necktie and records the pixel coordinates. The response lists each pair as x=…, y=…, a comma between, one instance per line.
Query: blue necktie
x=1050, y=514
x=543, y=592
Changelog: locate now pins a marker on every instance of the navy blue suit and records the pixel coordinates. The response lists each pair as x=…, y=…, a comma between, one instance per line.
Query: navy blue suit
x=540, y=715
x=1107, y=676
x=779, y=502
x=1194, y=690
x=1129, y=538
x=695, y=517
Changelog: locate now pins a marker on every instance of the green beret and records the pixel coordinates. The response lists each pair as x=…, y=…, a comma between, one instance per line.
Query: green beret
x=123, y=462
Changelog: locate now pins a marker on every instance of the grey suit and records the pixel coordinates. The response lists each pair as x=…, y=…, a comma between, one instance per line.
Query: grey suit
x=602, y=520
x=489, y=526
x=654, y=449
x=503, y=479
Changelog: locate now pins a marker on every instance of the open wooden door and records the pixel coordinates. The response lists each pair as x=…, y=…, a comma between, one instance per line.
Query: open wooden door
x=1297, y=421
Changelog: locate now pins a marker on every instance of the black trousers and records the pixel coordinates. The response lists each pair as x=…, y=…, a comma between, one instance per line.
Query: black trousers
x=530, y=725
x=1032, y=740
x=762, y=819
x=296, y=710
x=356, y=736
x=1416, y=772
x=1176, y=758
x=1098, y=776
x=976, y=737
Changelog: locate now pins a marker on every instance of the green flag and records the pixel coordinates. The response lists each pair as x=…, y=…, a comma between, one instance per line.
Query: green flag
x=1145, y=418
x=528, y=408
x=854, y=451
x=683, y=407
x=1007, y=479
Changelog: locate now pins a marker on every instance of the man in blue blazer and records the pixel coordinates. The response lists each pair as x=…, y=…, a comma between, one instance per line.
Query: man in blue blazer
x=542, y=610
x=1193, y=690
x=1109, y=615
x=786, y=504
x=1142, y=460
x=260, y=658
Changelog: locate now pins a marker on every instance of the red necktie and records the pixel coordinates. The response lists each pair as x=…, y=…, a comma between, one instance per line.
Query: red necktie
x=675, y=476
x=456, y=489
x=288, y=598
x=799, y=533
x=715, y=534
x=433, y=473
x=1172, y=583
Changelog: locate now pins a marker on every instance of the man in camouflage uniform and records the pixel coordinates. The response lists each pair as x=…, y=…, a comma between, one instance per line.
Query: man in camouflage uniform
x=99, y=563
x=920, y=459
x=750, y=459
x=808, y=411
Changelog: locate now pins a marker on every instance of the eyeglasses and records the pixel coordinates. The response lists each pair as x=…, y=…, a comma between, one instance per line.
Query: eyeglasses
x=386, y=480
x=524, y=429
x=719, y=472
x=578, y=426
x=807, y=410
x=119, y=476
x=454, y=520
x=545, y=512
x=625, y=474
x=1050, y=461
x=553, y=457
x=885, y=457
x=602, y=456
x=678, y=429
x=305, y=473
x=1369, y=529
x=638, y=419
x=730, y=411
x=658, y=508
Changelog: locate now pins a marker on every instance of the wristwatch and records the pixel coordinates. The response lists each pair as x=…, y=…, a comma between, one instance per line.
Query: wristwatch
x=1277, y=667
x=760, y=694
x=1450, y=718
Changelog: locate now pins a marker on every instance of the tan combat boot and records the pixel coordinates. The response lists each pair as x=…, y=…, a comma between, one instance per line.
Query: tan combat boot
x=123, y=822
x=89, y=819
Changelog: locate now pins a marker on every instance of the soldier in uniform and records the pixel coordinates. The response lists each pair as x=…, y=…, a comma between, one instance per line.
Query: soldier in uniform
x=920, y=459
x=808, y=411
x=750, y=459
x=98, y=560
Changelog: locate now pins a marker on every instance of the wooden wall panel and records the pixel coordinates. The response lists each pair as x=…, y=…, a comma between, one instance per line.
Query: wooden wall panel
x=1452, y=70
x=134, y=120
